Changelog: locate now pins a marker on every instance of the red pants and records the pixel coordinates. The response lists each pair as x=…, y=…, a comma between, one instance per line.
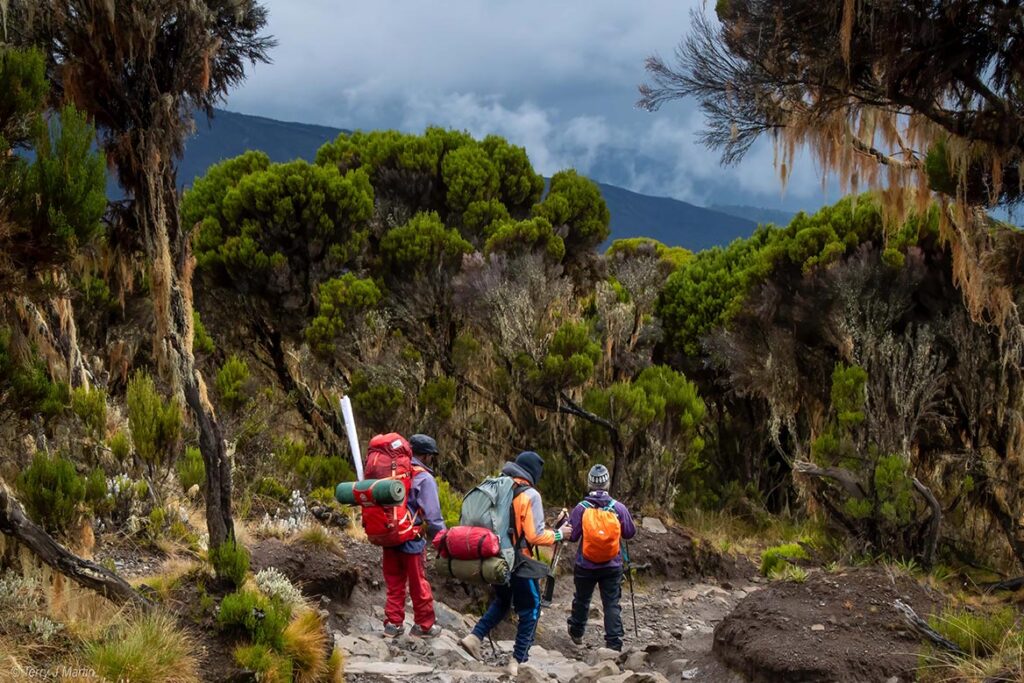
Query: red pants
x=401, y=569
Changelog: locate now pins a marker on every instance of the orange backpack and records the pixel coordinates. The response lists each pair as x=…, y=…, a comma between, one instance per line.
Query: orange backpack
x=601, y=533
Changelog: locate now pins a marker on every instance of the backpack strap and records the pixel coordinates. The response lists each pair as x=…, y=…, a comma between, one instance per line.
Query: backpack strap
x=587, y=504
x=611, y=506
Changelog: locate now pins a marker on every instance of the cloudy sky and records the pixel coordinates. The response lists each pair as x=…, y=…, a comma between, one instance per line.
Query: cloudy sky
x=559, y=78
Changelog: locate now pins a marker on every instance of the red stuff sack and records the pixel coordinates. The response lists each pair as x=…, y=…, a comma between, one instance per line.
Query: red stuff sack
x=390, y=457
x=467, y=543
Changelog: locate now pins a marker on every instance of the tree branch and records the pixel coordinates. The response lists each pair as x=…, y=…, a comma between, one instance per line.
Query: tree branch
x=845, y=478
x=921, y=627
x=15, y=523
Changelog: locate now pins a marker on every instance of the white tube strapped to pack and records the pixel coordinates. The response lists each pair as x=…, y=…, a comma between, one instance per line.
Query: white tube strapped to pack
x=353, y=438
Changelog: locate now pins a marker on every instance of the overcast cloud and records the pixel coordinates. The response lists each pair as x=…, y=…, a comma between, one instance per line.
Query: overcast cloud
x=558, y=78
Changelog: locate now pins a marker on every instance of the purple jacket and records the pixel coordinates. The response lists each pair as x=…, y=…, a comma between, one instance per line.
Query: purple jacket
x=425, y=506
x=599, y=499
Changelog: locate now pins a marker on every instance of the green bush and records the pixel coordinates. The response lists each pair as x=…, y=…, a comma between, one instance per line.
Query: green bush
x=155, y=424
x=51, y=491
x=263, y=619
x=202, y=341
x=272, y=488
x=319, y=471
x=96, y=491
x=27, y=384
x=191, y=469
x=269, y=666
x=776, y=558
x=232, y=381
x=90, y=405
x=375, y=402
x=451, y=503
x=120, y=447
x=230, y=561
x=438, y=396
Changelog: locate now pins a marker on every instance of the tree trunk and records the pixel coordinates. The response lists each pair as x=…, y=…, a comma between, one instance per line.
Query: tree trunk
x=15, y=523
x=168, y=248
x=934, y=523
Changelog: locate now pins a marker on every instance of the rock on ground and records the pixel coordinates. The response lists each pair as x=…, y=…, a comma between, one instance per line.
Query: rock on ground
x=315, y=570
x=832, y=627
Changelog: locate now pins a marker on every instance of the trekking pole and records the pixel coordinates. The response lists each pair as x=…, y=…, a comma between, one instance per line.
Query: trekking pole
x=629, y=574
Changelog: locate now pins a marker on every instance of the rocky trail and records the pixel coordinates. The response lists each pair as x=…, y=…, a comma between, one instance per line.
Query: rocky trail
x=699, y=617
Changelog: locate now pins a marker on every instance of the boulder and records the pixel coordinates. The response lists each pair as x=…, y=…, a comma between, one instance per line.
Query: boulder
x=653, y=525
x=597, y=672
x=387, y=669
x=531, y=674
x=602, y=654
x=635, y=660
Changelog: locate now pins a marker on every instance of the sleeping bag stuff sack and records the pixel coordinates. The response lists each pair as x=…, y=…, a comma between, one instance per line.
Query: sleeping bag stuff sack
x=493, y=570
x=370, y=492
x=467, y=543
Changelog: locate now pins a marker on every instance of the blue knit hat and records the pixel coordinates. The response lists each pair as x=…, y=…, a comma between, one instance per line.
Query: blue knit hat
x=423, y=444
x=532, y=463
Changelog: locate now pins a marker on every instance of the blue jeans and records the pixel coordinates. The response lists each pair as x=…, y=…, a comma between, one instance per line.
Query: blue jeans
x=524, y=595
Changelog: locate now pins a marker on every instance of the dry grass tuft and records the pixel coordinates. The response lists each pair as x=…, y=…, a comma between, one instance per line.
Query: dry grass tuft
x=147, y=647
x=305, y=642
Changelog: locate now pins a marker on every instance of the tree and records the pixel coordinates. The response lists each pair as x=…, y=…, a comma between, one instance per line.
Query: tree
x=915, y=97
x=141, y=70
x=51, y=204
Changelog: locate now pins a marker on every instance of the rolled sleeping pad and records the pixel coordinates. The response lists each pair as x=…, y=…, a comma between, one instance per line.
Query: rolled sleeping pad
x=493, y=570
x=370, y=492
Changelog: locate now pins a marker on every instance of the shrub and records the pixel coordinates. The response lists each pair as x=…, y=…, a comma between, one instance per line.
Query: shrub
x=51, y=491
x=275, y=584
x=96, y=490
x=150, y=647
x=318, y=471
x=774, y=559
x=231, y=382
x=305, y=641
x=230, y=561
x=789, y=572
x=376, y=403
x=269, y=666
x=120, y=447
x=451, y=503
x=263, y=619
x=90, y=405
x=272, y=488
x=191, y=469
x=438, y=396
x=202, y=341
x=155, y=424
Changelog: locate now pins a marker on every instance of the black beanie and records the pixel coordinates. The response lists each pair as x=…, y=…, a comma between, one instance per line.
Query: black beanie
x=533, y=464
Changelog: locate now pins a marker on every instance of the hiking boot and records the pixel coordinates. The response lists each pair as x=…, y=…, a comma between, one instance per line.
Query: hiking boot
x=576, y=640
x=471, y=644
x=394, y=630
x=512, y=668
x=420, y=632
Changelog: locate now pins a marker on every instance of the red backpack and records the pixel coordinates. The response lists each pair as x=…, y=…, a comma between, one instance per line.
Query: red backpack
x=390, y=457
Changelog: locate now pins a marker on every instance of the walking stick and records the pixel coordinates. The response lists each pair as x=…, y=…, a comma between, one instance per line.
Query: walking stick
x=629, y=573
x=549, y=581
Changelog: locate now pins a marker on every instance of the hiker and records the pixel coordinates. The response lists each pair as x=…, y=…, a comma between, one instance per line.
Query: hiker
x=523, y=589
x=403, y=564
x=600, y=522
